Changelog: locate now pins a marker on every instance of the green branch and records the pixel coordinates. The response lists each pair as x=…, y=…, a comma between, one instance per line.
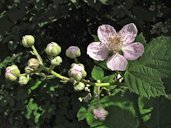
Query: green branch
x=37, y=55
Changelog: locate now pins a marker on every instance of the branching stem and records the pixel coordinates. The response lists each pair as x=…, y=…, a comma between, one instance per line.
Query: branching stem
x=37, y=55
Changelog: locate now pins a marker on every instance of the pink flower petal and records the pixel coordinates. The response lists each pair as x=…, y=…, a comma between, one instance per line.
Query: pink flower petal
x=128, y=33
x=117, y=63
x=104, y=31
x=133, y=51
x=97, y=51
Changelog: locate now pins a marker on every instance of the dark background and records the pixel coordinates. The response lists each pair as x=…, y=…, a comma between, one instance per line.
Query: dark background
x=67, y=22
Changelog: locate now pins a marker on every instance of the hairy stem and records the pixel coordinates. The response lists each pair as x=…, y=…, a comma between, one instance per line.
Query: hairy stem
x=37, y=55
x=102, y=84
x=64, y=78
x=56, y=74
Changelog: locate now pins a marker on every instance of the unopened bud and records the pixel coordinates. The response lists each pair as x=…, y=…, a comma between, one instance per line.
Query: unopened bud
x=28, y=41
x=74, y=74
x=77, y=72
x=12, y=73
x=33, y=63
x=81, y=65
x=80, y=99
x=56, y=61
x=53, y=49
x=87, y=89
x=23, y=80
x=28, y=70
x=73, y=52
x=84, y=73
x=79, y=86
x=100, y=113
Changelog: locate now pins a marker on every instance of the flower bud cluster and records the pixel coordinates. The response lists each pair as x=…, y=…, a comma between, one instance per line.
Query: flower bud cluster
x=53, y=50
x=100, y=113
x=12, y=73
x=77, y=71
x=33, y=65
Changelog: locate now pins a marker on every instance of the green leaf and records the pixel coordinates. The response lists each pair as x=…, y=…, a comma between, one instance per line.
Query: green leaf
x=144, y=84
x=81, y=114
x=36, y=116
x=102, y=64
x=36, y=84
x=33, y=108
x=108, y=79
x=104, y=1
x=31, y=105
x=96, y=39
x=120, y=118
x=144, y=110
x=92, y=121
x=144, y=76
x=97, y=73
x=121, y=114
x=140, y=38
x=160, y=116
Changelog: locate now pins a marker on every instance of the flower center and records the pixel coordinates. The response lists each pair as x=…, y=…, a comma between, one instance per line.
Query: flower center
x=115, y=43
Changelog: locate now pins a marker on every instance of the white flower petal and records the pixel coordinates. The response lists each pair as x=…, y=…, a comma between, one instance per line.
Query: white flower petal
x=133, y=51
x=104, y=32
x=128, y=33
x=97, y=51
x=117, y=63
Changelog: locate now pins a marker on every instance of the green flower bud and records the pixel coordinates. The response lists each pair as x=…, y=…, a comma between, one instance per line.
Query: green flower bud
x=81, y=65
x=28, y=70
x=10, y=77
x=56, y=61
x=84, y=73
x=28, y=41
x=23, y=80
x=33, y=63
x=12, y=73
x=53, y=49
x=73, y=52
x=79, y=86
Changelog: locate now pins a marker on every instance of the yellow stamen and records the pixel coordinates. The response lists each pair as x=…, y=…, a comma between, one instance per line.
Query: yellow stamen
x=115, y=43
